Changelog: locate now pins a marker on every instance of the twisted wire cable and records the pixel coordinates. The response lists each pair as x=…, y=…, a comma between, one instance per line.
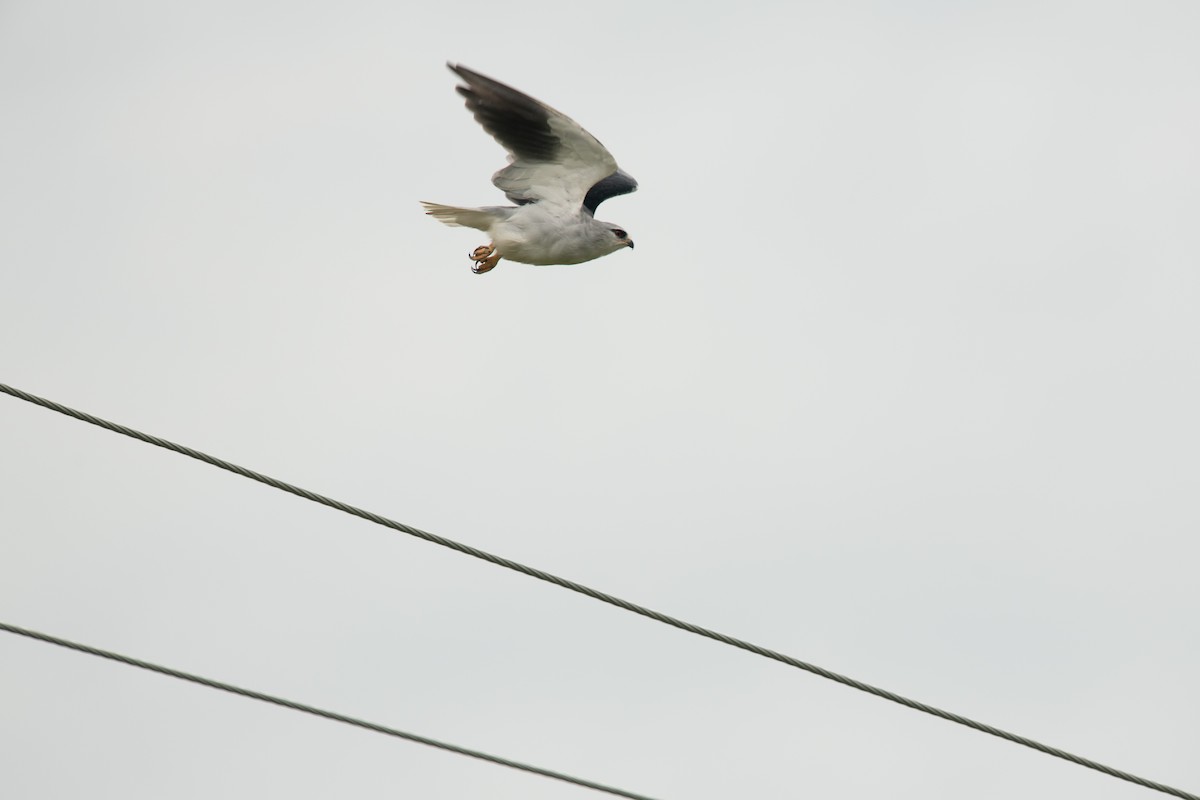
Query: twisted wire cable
x=279, y=701
x=598, y=595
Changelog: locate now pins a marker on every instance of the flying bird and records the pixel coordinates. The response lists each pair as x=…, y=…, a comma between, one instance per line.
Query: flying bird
x=557, y=175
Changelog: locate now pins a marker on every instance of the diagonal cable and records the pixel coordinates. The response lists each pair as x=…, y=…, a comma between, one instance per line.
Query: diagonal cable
x=279, y=701
x=597, y=595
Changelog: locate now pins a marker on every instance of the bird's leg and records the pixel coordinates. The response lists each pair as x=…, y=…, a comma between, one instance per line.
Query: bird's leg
x=485, y=258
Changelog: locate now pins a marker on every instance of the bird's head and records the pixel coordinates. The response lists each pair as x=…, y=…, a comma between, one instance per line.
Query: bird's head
x=617, y=237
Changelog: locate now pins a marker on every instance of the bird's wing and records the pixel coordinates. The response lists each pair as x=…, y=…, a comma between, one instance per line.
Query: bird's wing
x=552, y=159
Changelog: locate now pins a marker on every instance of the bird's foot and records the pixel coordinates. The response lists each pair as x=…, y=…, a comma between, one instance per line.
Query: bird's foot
x=486, y=265
x=485, y=258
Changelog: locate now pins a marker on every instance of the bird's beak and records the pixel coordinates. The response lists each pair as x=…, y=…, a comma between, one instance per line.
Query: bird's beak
x=631, y=244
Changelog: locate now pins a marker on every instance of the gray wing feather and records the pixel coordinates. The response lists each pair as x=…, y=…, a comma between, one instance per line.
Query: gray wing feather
x=515, y=120
x=552, y=159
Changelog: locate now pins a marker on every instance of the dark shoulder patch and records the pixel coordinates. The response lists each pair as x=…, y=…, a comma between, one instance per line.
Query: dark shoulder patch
x=618, y=183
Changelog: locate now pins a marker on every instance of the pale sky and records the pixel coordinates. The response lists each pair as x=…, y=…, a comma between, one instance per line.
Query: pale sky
x=902, y=379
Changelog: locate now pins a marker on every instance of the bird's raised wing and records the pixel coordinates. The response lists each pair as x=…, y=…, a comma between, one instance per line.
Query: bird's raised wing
x=552, y=159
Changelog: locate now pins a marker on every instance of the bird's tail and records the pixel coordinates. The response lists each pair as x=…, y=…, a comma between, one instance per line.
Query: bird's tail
x=478, y=218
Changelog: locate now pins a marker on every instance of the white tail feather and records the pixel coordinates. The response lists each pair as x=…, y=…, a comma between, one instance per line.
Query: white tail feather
x=478, y=218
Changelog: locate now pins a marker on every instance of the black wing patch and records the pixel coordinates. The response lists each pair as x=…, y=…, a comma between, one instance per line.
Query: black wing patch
x=515, y=120
x=618, y=183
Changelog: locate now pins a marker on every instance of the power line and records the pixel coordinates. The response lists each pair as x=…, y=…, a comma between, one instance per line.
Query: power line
x=596, y=594
x=279, y=701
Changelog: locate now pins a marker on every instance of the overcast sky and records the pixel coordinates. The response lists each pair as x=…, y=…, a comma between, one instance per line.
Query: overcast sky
x=902, y=379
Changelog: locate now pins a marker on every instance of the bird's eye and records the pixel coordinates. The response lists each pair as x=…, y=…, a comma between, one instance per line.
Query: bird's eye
x=620, y=234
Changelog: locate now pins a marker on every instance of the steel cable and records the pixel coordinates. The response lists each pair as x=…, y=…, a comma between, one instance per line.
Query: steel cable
x=598, y=595
x=279, y=701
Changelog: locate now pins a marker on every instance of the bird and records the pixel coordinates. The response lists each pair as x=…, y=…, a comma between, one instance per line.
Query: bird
x=557, y=175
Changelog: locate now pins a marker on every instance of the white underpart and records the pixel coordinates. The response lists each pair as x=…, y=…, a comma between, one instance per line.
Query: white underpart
x=537, y=234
